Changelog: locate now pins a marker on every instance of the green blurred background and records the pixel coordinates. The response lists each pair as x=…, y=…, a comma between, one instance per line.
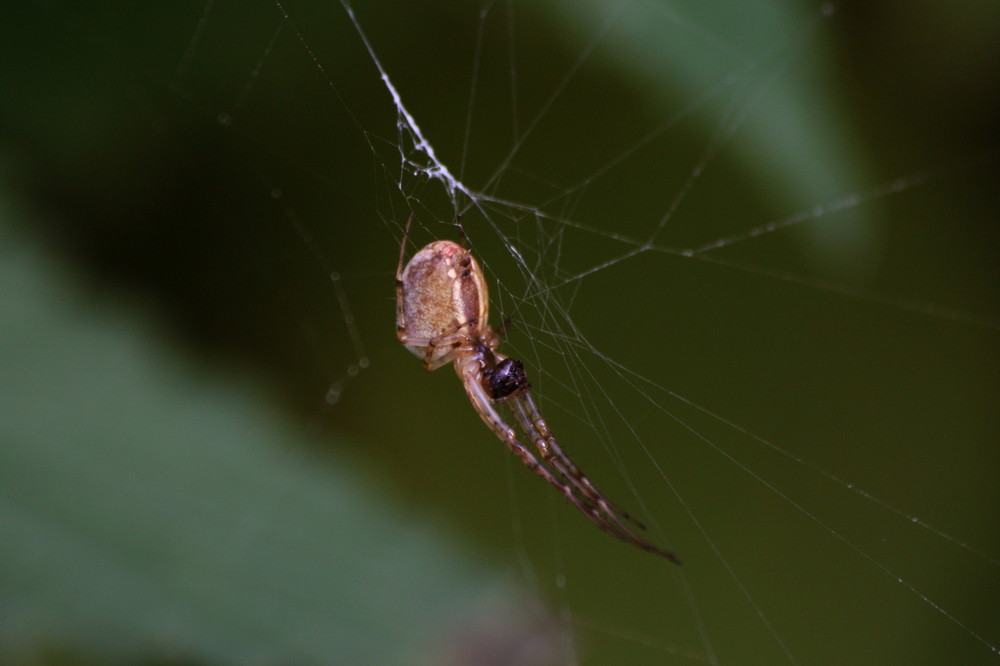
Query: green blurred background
x=180, y=182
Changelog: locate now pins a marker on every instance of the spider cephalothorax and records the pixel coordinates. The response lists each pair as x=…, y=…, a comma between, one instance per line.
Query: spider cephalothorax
x=506, y=379
x=442, y=312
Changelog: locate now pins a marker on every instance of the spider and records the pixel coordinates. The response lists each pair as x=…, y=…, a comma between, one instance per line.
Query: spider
x=442, y=308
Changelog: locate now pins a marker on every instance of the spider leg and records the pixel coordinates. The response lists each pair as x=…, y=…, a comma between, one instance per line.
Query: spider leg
x=400, y=319
x=575, y=486
x=603, y=513
x=454, y=339
x=402, y=250
x=504, y=327
x=536, y=428
x=484, y=407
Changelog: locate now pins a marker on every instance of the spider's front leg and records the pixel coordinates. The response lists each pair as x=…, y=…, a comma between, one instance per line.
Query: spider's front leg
x=469, y=370
x=600, y=510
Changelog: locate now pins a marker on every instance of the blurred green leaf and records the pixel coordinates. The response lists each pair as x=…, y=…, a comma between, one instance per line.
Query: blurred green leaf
x=761, y=75
x=150, y=509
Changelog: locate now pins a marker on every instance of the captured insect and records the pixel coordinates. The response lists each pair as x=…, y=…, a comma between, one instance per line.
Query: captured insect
x=442, y=312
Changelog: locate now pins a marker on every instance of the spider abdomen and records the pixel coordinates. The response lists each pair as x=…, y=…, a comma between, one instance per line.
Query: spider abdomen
x=443, y=290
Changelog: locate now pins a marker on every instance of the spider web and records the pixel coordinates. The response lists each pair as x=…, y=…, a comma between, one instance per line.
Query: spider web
x=744, y=328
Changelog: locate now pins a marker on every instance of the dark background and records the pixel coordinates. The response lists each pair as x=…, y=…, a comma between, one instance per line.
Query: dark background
x=218, y=201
